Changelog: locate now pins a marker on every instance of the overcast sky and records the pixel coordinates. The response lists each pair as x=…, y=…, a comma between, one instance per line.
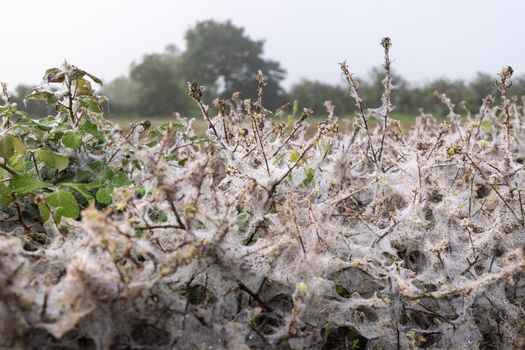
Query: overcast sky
x=441, y=38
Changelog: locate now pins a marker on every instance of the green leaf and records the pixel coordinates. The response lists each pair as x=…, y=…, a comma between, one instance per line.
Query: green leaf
x=294, y=156
x=89, y=127
x=4, y=200
x=72, y=139
x=157, y=215
x=8, y=110
x=90, y=103
x=120, y=179
x=4, y=189
x=94, y=78
x=196, y=294
x=341, y=291
x=46, y=96
x=11, y=145
x=140, y=191
x=83, y=189
x=54, y=75
x=64, y=203
x=105, y=174
x=169, y=157
x=139, y=233
x=83, y=176
x=97, y=165
x=44, y=212
x=309, y=177
x=84, y=87
x=49, y=122
x=5, y=195
x=16, y=162
x=242, y=221
x=52, y=159
x=77, y=73
x=23, y=184
x=182, y=161
x=104, y=195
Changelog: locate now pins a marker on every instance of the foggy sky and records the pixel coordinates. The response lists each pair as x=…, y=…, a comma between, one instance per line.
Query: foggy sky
x=445, y=38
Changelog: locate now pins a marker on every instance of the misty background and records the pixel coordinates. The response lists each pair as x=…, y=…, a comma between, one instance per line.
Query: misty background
x=146, y=51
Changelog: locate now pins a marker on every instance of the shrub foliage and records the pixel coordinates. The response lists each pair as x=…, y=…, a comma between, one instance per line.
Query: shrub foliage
x=261, y=235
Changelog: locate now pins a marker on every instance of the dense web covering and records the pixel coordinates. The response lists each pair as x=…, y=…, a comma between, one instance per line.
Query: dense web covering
x=269, y=236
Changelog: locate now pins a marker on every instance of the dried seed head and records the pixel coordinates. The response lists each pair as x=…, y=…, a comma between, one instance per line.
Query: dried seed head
x=504, y=81
x=195, y=91
x=221, y=106
x=330, y=108
x=386, y=43
x=146, y=124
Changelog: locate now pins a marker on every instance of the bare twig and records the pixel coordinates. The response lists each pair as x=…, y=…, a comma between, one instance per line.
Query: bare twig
x=195, y=91
x=387, y=83
x=503, y=84
x=306, y=112
x=354, y=86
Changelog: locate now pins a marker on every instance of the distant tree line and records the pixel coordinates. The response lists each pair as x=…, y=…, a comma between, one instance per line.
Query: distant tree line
x=223, y=59
x=407, y=99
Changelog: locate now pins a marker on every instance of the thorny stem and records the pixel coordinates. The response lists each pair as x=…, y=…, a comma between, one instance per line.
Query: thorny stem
x=260, y=93
x=281, y=179
x=272, y=189
x=36, y=166
x=387, y=83
x=7, y=99
x=452, y=115
x=52, y=213
x=299, y=234
x=19, y=213
x=521, y=209
x=470, y=196
x=442, y=131
x=387, y=231
x=7, y=168
x=177, y=216
x=221, y=106
x=255, y=147
x=306, y=112
x=79, y=119
x=359, y=104
x=494, y=188
x=503, y=85
x=149, y=227
x=145, y=124
x=258, y=140
x=195, y=91
x=70, y=101
x=254, y=295
x=419, y=172
x=345, y=194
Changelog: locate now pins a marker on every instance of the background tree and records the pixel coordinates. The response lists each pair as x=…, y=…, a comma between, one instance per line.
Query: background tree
x=124, y=94
x=224, y=59
x=160, y=84
x=37, y=109
x=312, y=94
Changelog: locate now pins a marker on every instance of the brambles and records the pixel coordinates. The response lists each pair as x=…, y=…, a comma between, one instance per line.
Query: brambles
x=59, y=164
x=261, y=236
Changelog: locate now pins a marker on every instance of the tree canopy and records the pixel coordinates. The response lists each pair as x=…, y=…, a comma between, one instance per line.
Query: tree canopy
x=160, y=80
x=224, y=59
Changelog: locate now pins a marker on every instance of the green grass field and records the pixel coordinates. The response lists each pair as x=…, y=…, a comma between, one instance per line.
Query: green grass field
x=200, y=124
